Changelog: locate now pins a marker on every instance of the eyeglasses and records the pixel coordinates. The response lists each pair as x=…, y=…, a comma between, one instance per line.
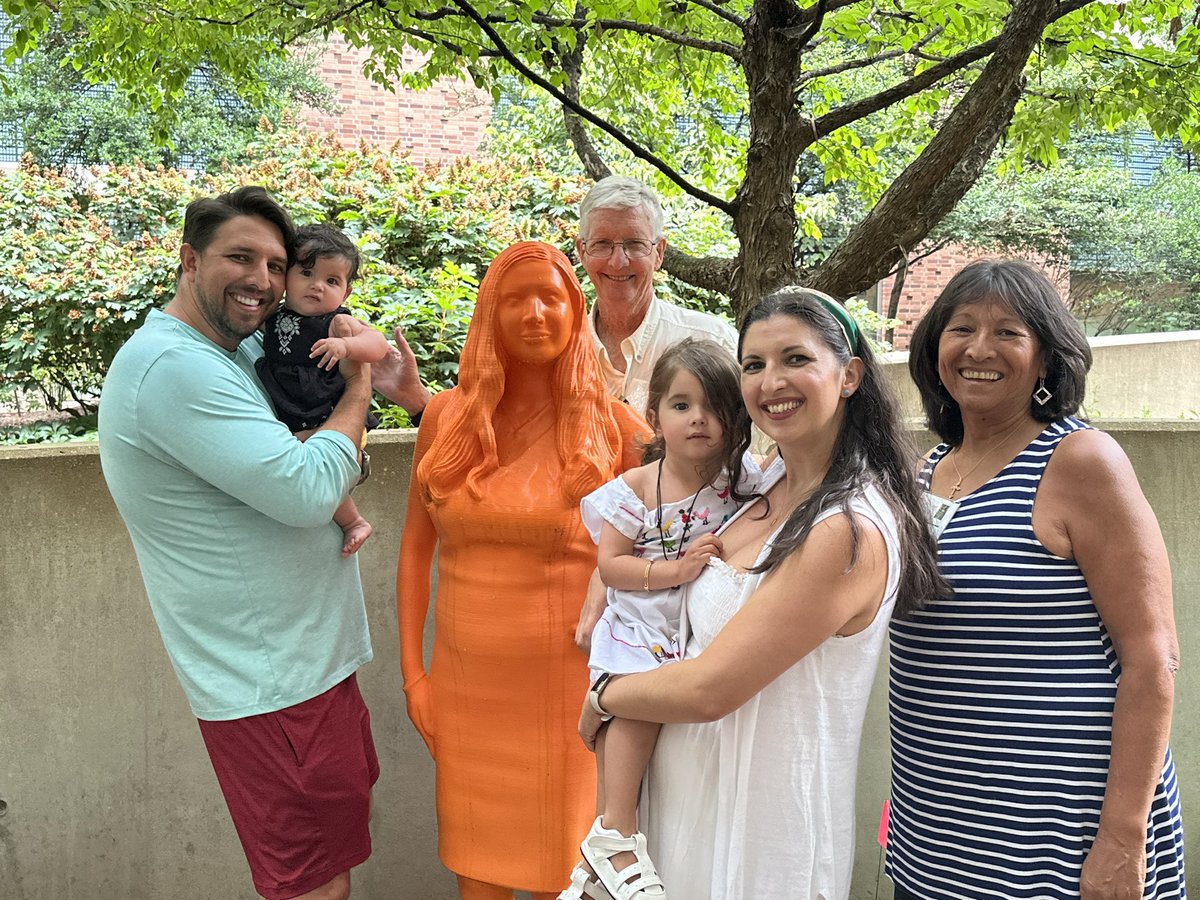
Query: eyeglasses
x=604, y=249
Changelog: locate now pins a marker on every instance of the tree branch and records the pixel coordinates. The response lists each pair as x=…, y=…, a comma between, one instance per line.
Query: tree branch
x=672, y=37
x=325, y=21
x=585, y=149
x=709, y=273
x=625, y=141
x=580, y=21
x=868, y=60
x=860, y=109
x=1112, y=51
x=937, y=179
x=716, y=10
x=806, y=31
x=240, y=20
x=810, y=12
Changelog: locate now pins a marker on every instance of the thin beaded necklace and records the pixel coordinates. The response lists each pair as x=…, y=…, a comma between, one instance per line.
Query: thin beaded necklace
x=687, y=516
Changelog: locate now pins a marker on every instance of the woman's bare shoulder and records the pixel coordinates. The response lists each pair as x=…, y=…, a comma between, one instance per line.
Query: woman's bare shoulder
x=1091, y=455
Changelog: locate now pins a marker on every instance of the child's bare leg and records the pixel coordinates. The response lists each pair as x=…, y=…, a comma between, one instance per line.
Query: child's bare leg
x=628, y=745
x=600, y=735
x=355, y=529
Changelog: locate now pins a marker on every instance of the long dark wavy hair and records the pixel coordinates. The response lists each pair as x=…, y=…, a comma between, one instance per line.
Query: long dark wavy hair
x=870, y=448
x=1029, y=294
x=719, y=378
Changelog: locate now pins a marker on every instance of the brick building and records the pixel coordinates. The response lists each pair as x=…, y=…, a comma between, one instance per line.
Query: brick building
x=925, y=280
x=445, y=121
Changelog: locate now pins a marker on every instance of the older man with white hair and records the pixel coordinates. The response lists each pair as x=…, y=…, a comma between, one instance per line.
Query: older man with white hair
x=621, y=246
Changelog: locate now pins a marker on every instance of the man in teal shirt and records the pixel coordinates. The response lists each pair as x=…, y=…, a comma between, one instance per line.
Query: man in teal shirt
x=231, y=520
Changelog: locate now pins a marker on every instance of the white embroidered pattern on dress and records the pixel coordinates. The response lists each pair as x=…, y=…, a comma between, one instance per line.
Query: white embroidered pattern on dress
x=286, y=328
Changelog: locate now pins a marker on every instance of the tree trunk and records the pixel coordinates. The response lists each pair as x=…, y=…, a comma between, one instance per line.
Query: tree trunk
x=765, y=210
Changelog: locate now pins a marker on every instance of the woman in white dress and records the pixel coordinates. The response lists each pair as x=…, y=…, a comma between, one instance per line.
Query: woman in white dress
x=751, y=791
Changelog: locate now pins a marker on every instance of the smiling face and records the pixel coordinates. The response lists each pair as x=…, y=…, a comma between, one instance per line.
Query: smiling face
x=989, y=360
x=318, y=289
x=792, y=382
x=228, y=289
x=622, y=284
x=534, y=317
x=690, y=428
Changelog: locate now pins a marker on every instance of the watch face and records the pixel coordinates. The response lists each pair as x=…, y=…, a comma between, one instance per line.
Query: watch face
x=364, y=466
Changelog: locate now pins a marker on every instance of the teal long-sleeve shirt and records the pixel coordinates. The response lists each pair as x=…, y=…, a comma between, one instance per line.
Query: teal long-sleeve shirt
x=231, y=520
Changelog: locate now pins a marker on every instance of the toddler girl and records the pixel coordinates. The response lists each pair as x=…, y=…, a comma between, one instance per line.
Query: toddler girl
x=654, y=526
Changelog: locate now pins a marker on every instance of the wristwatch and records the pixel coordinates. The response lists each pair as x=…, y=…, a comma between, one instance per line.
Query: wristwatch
x=594, y=695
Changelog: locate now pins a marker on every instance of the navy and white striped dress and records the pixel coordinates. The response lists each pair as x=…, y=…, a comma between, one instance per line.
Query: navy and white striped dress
x=1001, y=712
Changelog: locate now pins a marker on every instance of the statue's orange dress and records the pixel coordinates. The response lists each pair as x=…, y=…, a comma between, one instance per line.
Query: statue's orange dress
x=515, y=785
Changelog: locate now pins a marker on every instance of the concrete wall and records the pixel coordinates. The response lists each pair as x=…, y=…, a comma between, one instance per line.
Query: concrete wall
x=1133, y=376
x=107, y=791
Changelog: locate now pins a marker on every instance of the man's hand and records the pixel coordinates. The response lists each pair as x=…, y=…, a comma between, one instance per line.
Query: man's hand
x=397, y=378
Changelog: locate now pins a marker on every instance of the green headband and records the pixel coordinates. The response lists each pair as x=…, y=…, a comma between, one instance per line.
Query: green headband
x=843, y=318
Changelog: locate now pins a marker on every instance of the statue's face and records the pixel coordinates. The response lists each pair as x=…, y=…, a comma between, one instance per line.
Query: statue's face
x=534, y=317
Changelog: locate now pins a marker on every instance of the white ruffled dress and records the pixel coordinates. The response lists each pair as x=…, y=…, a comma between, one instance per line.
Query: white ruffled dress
x=640, y=630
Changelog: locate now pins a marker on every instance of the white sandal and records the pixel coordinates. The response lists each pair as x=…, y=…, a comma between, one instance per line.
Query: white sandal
x=584, y=885
x=638, y=881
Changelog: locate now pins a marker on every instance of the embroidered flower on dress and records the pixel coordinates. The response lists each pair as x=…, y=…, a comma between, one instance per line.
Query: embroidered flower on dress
x=286, y=328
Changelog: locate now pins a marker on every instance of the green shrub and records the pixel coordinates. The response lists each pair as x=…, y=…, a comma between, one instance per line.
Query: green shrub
x=90, y=253
x=81, y=429
x=84, y=259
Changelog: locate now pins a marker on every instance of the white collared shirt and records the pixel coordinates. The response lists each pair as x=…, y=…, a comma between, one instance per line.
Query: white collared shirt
x=663, y=326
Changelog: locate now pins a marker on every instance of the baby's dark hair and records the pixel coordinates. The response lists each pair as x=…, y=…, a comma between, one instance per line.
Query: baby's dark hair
x=720, y=379
x=315, y=242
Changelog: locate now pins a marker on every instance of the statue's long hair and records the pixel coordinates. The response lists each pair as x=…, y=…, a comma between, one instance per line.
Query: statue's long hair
x=586, y=432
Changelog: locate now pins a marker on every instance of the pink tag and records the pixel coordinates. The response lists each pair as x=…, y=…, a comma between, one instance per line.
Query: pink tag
x=883, y=824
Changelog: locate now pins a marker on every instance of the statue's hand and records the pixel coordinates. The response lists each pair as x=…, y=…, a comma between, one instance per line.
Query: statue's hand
x=419, y=697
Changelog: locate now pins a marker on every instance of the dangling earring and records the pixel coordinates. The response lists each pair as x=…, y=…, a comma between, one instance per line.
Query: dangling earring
x=1042, y=395
x=941, y=390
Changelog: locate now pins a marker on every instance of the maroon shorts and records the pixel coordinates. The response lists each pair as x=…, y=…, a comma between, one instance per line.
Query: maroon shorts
x=298, y=785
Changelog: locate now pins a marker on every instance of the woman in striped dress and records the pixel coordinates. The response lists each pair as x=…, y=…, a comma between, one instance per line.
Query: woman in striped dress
x=1030, y=711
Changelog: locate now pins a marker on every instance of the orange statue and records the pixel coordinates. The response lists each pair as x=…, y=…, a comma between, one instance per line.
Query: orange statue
x=501, y=464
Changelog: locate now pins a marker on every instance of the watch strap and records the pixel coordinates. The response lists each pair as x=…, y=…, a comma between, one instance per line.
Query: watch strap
x=594, y=693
